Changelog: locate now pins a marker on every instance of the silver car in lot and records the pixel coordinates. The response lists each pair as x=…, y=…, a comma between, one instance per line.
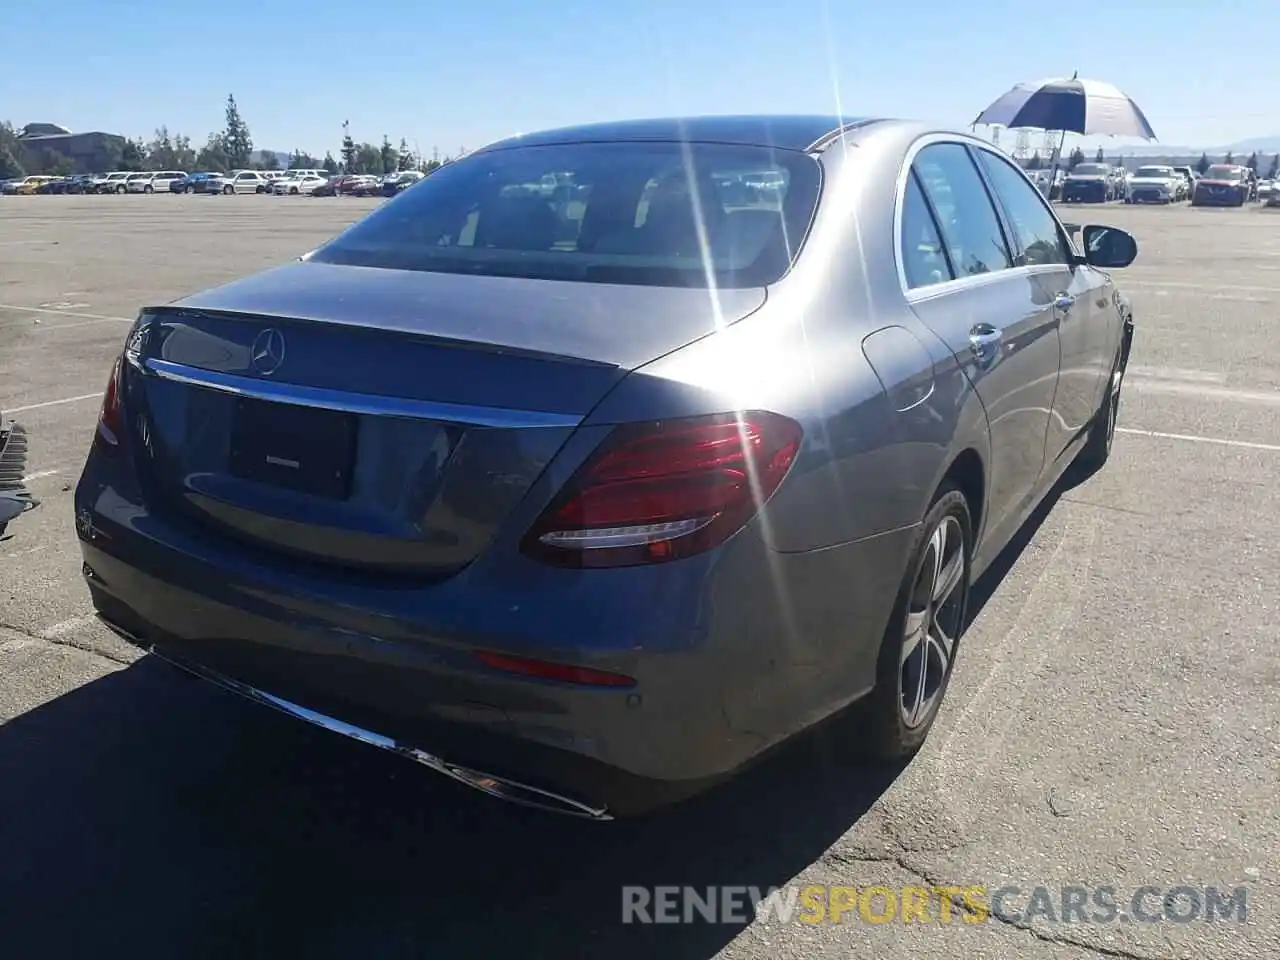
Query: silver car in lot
x=608, y=458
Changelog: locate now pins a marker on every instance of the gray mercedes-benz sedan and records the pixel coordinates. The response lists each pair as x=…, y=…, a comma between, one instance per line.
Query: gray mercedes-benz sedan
x=600, y=462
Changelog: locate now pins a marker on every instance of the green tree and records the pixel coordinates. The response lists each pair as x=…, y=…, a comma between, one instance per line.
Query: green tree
x=1252, y=162
x=387, y=156
x=1202, y=164
x=213, y=155
x=368, y=159
x=406, y=160
x=270, y=161
x=1229, y=158
x=1274, y=170
x=1036, y=162
x=10, y=168
x=329, y=165
x=1100, y=157
x=235, y=136
x=350, y=152
x=134, y=155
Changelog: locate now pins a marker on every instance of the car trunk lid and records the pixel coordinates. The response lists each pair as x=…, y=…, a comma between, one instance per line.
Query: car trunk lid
x=377, y=420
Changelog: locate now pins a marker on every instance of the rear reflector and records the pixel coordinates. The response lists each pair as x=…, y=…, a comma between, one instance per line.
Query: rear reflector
x=546, y=670
x=662, y=491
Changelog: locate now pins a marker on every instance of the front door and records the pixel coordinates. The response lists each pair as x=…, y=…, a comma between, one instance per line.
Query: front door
x=1078, y=297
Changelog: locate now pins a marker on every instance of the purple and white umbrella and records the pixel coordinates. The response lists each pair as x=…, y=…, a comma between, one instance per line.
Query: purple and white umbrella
x=1071, y=105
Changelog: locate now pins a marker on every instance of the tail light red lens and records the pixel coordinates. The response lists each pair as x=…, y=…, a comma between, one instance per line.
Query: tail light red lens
x=663, y=491
x=110, y=417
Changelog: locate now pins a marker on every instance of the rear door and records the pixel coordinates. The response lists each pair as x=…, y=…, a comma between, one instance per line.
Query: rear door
x=995, y=317
x=1080, y=296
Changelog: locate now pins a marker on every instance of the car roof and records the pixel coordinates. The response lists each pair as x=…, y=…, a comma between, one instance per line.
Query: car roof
x=783, y=131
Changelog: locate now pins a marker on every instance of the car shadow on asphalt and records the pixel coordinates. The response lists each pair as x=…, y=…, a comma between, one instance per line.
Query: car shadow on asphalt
x=152, y=814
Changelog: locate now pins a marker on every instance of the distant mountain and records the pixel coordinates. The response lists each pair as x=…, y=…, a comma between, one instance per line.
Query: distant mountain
x=1268, y=145
x=282, y=156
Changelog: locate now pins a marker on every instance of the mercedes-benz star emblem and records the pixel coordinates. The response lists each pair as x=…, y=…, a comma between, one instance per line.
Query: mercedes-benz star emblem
x=267, y=354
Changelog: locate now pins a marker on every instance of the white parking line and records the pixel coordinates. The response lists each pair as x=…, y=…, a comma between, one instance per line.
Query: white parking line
x=1183, y=285
x=1191, y=438
x=48, y=311
x=39, y=475
x=54, y=403
x=1146, y=385
x=1174, y=373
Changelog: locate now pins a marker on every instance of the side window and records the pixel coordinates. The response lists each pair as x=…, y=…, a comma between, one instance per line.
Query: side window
x=1035, y=227
x=970, y=228
x=924, y=260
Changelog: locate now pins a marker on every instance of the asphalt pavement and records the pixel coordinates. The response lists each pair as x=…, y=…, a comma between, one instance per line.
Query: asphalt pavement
x=1113, y=720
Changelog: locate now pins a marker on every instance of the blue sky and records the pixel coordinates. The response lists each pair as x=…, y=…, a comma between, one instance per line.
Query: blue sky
x=460, y=74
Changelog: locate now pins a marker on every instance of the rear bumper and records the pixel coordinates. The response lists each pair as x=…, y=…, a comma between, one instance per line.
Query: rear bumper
x=1084, y=193
x=1228, y=199
x=726, y=663
x=15, y=499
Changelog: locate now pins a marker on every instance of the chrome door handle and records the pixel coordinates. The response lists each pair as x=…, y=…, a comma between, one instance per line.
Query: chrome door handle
x=1063, y=302
x=984, y=341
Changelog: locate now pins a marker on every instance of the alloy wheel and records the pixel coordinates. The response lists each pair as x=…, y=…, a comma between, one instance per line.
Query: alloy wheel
x=935, y=612
x=1113, y=403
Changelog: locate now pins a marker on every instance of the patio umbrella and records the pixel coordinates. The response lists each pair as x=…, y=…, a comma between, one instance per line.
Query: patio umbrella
x=1069, y=105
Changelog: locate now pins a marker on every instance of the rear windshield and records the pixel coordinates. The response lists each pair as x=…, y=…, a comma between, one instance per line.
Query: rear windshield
x=1091, y=169
x=1153, y=172
x=1218, y=172
x=637, y=213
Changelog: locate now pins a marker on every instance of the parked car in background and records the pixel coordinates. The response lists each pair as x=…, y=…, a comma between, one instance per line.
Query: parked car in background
x=393, y=183
x=155, y=182
x=27, y=186
x=80, y=183
x=298, y=182
x=237, y=181
x=1223, y=184
x=1155, y=184
x=345, y=184
x=1090, y=183
x=1189, y=176
x=193, y=182
x=581, y=535
x=15, y=499
x=112, y=182
x=1265, y=188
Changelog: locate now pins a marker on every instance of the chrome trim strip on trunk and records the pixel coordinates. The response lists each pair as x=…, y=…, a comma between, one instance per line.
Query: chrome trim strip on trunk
x=361, y=403
x=511, y=791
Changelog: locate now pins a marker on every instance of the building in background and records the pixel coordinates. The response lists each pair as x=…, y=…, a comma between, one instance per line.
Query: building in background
x=81, y=152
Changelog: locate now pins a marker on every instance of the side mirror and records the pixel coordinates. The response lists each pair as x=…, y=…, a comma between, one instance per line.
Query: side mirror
x=1108, y=247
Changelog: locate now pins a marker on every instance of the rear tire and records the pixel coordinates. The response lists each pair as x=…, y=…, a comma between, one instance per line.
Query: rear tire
x=148, y=189
x=228, y=190
x=120, y=189
x=1097, y=448
x=293, y=191
x=918, y=651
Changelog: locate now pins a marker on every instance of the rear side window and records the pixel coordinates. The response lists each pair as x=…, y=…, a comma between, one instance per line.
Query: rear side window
x=662, y=214
x=924, y=261
x=1039, y=238
x=970, y=228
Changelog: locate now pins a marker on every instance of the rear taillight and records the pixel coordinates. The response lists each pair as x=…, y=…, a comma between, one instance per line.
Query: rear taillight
x=662, y=491
x=110, y=417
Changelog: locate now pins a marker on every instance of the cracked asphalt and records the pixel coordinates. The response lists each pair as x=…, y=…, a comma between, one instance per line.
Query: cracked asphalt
x=1113, y=720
